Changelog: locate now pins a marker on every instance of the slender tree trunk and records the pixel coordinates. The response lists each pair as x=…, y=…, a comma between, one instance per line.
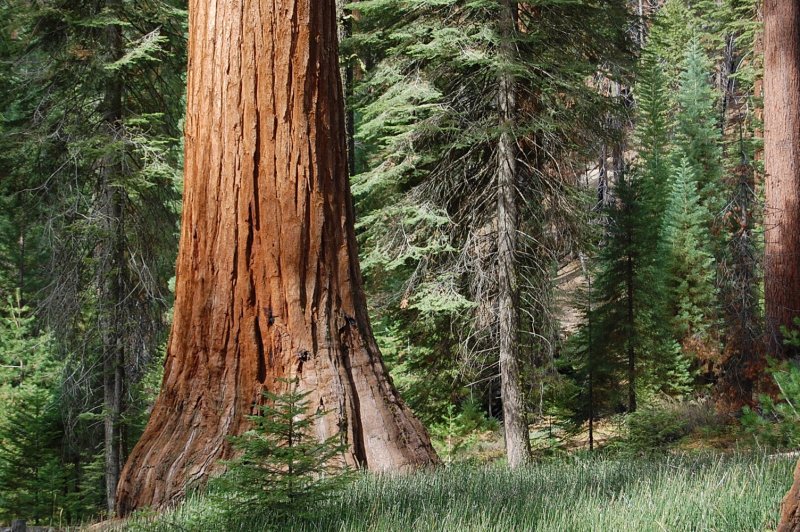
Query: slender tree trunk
x=782, y=165
x=514, y=419
x=348, y=79
x=111, y=255
x=727, y=80
x=602, y=179
x=21, y=263
x=618, y=150
x=589, y=350
x=630, y=318
x=268, y=284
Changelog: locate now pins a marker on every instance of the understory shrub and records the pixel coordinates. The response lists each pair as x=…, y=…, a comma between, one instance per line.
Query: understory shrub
x=658, y=426
x=284, y=469
x=776, y=421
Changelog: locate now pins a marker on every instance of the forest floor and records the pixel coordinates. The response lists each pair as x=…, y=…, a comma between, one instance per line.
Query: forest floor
x=577, y=493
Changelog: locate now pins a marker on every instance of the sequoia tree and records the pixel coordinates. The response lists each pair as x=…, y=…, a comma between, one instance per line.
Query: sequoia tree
x=782, y=162
x=268, y=284
x=782, y=165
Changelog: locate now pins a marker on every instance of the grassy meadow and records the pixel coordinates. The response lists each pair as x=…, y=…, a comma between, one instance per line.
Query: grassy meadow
x=579, y=493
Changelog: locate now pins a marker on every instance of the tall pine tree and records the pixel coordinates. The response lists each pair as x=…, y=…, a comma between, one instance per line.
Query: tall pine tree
x=436, y=152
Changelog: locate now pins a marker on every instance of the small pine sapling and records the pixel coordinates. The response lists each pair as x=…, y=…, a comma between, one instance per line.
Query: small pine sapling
x=283, y=471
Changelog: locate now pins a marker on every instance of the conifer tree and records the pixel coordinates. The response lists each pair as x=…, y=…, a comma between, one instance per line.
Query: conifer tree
x=32, y=473
x=629, y=340
x=690, y=271
x=432, y=135
x=671, y=30
x=284, y=470
x=93, y=122
x=652, y=137
x=697, y=132
x=626, y=336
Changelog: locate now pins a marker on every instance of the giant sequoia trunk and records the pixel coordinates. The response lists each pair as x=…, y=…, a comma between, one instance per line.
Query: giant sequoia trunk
x=268, y=284
x=782, y=165
x=514, y=420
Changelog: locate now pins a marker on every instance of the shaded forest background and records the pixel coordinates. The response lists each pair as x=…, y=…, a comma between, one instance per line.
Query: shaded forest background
x=638, y=297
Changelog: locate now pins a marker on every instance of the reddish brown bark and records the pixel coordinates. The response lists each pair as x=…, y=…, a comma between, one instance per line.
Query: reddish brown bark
x=790, y=507
x=268, y=284
x=782, y=165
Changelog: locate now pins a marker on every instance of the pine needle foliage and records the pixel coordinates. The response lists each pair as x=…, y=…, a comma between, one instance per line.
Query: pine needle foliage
x=691, y=271
x=90, y=169
x=284, y=469
x=427, y=119
x=32, y=474
x=698, y=137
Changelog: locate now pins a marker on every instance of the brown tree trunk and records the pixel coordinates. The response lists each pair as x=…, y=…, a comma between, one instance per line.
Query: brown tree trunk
x=111, y=256
x=631, y=325
x=790, y=506
x=268, y=284
x=603, y=195
x=347, y=73
x=514, y=420
x=782, y=165
x=738, y=278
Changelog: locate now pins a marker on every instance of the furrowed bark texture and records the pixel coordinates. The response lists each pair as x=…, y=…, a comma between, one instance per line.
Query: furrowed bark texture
x=111, y=255
x=514, y=420
x=268, y=284
x=782, y=165
x=790, y=507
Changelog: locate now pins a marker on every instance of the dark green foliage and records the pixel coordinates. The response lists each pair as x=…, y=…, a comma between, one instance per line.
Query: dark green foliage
x=653, y=429
x=420, y=354
x=427, y=126
x=284, y=470
x=652, y=137
x=697, y=128
x=629, y=316
x=672, y=29
x=90, y=162
x=776, y=421
x=31, y=471
x=32, y=475
x=690, y=266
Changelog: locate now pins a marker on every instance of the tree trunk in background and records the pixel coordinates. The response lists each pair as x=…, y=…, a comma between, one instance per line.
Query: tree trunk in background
x=630, y=319
x=514, y=419
x=111, y=257
x=790, y=506
x=268, y=284
x=344, y=16
x=603, y=195
x=782, y=165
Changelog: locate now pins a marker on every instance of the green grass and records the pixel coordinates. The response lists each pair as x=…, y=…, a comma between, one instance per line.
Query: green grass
x=573, y=494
